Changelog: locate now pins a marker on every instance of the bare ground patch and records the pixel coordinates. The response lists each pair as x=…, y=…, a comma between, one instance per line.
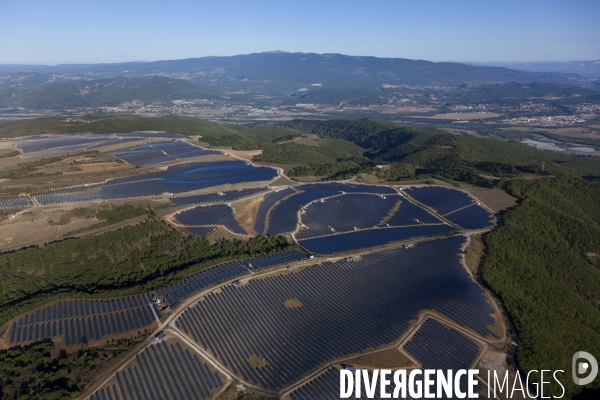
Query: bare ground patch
x=257, y=362
x=496, y=199
x=283, y=181
x=246, y=214
x=285, y=167
x=292, y=303
x=392, y=358
x=245, y=154
x=474, y=253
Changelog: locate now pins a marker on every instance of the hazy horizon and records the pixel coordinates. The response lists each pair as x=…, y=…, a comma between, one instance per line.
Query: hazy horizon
x=465, y=31
x=470, y=62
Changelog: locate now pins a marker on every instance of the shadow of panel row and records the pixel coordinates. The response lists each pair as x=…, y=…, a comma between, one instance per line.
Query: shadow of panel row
x=163, y=370
x=84, y=320
x=340, y=312
x=221, y=197
x=180, y=178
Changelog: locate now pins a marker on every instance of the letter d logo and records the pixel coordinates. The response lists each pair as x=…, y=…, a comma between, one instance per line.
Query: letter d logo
x=582, y=367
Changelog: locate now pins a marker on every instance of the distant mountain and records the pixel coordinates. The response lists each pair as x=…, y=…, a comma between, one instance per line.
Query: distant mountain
x=281, y=71
x=584, y=68
x=99, y=92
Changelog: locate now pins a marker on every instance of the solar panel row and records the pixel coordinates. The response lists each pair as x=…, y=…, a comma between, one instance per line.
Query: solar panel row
x=284, y=217
x=269, y=200
x=472, y=217
x=65, y=144
x=215, y=215
x=436, y=346
x=370, y=238
x=344, y=213
x=84, y=320
x=223, y=272
x=163, y=370
x=13, y=201
x=410, y=214
x=444, y=200
x=253, y=321
x=153, y=153
x=220, y=197
x=178, y=178
x=37, y=145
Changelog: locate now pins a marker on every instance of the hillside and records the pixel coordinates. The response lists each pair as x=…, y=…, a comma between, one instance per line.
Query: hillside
x=100, y=92
x=111, y=124
x=432, y=152
x=512, y=92
x=287, y=71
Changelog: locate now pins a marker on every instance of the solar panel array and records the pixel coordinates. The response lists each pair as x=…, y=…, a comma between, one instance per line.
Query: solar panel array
x=221, y=197
x=223, y=272
x=13, y=201
x=148, y=135
x=344, y=213
x=180, y=178
x=284, y=217
x=397, y=284
x=276, y=259
x=39, y=145
x=443, y=200
x=472, y=217
x=163, y=370
x=436, y=346
x=213, y=215
x=327, y=387
x=82, y=321
x=370, y=238
x=269, y=200
x=153, y=153
x=65, y=144
x=411, y=214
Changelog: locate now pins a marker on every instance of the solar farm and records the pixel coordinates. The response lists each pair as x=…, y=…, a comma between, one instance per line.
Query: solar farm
x=175, y=179
x=155, y=153
x=328, y=324
x=374, y=267
x=44, y=145
x=74, y=322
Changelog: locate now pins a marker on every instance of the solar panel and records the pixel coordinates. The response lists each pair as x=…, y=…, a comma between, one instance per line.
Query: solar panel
x=444, y=200
x=369, y=238
x=396, y=284
x=180, y=178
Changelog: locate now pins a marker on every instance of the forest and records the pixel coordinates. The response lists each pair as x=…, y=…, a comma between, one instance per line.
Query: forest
x=39, y=371
x=133, y=259
x=544, y=263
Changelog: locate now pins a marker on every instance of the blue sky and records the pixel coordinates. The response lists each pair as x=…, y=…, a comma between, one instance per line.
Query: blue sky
x=52, y=32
